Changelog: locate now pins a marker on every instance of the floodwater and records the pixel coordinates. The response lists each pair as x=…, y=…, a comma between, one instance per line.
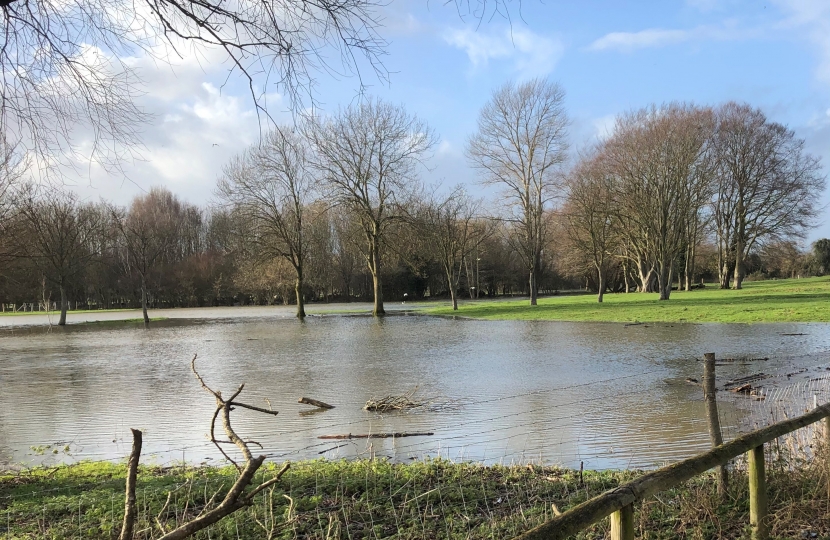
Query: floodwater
x=609, y=395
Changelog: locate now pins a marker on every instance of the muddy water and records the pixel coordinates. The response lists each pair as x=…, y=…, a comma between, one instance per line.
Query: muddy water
x=608, y=395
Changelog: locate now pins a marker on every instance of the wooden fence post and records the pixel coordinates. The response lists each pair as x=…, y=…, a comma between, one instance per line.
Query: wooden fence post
x=757, y=494
x=827, y=435
x=622, y=523
x=709, y=396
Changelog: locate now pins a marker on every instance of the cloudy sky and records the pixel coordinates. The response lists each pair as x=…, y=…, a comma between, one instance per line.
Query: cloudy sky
x=609, y=57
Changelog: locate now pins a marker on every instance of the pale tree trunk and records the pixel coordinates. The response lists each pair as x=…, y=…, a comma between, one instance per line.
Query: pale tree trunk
x=724, y=275
x=625, y=276
x=374, y=268
x=298, y=291
x=646, y=278
x=144, y=301
x=62, y=321
x=600, y=285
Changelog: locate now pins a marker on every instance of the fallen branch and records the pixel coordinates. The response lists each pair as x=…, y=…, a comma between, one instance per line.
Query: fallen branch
x=315, y=403
x=236, y=497
x=375, y=435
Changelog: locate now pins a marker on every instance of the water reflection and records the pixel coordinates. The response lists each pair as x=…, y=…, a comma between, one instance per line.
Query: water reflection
x=607, y=394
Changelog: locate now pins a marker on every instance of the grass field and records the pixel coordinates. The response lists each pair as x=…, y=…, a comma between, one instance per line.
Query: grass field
x=789, y=300
x=375, y=499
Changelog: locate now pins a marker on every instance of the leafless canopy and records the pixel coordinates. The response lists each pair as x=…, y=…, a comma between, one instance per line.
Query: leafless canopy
x=448, y=226
x=57, y=236
x=368, y=157
x=65, y=63
x=520, y=144
x=268, y=187
x=660, y=158
x=590, y=212
x=766, y=185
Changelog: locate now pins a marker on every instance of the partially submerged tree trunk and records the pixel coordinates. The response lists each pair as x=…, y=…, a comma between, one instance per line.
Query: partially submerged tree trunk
x=64, y=306
x=377, y=286
x=298, y=291
x=144, y=301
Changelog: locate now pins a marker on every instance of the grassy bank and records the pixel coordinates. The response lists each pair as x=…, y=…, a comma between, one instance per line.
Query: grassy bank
x=376, y=499
x=789, y=300
x=69, y=312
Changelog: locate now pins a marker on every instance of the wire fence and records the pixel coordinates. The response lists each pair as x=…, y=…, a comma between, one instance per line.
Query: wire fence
x=375, y=497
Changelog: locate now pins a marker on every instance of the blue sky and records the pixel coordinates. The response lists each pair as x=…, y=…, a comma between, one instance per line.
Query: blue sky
x=610, y=57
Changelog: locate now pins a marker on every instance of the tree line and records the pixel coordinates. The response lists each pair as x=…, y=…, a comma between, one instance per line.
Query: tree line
x=335, y=208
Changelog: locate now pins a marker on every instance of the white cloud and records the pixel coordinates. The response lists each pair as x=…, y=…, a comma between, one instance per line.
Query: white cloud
x=660, y=37
x=810, y=19
x=531, y=54
x=629, y=41
x=197, y=126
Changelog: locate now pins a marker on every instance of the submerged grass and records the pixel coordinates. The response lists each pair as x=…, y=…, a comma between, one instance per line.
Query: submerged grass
x=788, y=300
x=377, y=499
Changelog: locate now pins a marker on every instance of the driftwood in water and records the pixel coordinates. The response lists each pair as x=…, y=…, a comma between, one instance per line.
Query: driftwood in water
x=740, y=381
x=393, y=403
x=374, y=435
x=314, y=402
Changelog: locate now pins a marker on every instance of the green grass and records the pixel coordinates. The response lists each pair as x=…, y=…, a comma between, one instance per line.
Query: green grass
x=790, y=300
x=375, y=499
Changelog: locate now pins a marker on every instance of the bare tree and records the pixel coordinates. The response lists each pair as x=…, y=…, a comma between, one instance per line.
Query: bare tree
x=64, y=69
x=269, y=186
x=367, y=157
x=447, y=225
x=661, y=160
x=520, y=143
x=767, y=186
x=13, y=165
x=149, y=230
x=57, y=236
x=590, y=215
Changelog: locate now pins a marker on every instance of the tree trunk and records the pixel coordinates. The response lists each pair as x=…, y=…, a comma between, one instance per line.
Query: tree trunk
x=739, y=265
x=600, y=285
x=64, y=303
x=625, y=276
x=144, y=301
x=532, y=284
x=690, y=267
x=724, y=275
x=298, y=291
x=453, y=293
x=664, y=280
x=374, y=268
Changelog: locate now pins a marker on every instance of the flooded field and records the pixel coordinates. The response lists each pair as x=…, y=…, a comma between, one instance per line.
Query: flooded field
x=609, y=395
